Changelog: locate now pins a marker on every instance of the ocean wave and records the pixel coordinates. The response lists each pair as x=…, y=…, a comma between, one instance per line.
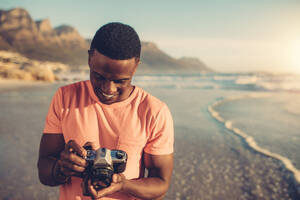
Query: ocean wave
x=258, y=82
x=246, y=80
x=280, y=86
x=175, y=81
x=224, y=78
x=248, y=139
x=233, y=81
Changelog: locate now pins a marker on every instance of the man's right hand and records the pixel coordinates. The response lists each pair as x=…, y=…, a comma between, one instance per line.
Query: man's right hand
x=71, y=161
x=58, y=160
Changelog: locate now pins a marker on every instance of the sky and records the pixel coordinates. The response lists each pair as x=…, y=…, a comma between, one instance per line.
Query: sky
x=227, y=35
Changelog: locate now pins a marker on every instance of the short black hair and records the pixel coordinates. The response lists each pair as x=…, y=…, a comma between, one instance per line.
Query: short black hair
x=117, y=41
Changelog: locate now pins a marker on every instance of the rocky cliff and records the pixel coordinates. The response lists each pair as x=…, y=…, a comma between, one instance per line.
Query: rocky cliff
x=153, y=60
x=38, y=40
x=16, y=66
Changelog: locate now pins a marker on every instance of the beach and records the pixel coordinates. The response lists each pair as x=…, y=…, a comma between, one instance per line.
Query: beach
x=212, y=163
x=211, y=160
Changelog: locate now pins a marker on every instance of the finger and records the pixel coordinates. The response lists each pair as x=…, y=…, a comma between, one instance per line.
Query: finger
x=67, y=172
x=100, y=193
x=90, y=144
x=92, y=190
x=73, y=158
x=109, y=190
x=116, y=178
x=74, y=147
x=69, y=166
x=105, y=191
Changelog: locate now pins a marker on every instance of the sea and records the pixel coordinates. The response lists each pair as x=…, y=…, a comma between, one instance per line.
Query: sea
x=237, y=135
x=262, y=109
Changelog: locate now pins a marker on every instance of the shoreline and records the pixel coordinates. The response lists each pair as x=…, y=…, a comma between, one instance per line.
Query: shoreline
x=287, y=163
x=11, y=83
x=209, y=162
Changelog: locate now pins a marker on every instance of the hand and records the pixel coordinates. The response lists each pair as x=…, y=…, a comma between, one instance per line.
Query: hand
x=72, y=162
x=117, y=184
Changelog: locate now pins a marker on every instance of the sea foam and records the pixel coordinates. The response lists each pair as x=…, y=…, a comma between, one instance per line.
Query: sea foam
x=248, y=139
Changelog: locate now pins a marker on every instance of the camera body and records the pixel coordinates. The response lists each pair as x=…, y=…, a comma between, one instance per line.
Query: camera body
x=102, y=164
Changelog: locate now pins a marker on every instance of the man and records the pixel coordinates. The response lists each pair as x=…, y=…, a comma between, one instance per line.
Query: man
x=109, y=112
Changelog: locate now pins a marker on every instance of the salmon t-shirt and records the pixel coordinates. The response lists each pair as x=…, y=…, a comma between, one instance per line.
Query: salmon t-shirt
x=141, y=123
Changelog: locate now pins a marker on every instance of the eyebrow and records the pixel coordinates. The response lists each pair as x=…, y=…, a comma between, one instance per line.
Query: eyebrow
x=123, y=79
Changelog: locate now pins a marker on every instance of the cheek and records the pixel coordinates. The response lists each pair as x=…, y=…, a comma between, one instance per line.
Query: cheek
x=125, y=88
x=94, y=81
x=92, y=78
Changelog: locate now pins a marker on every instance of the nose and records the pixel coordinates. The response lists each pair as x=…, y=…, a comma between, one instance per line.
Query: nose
x=109, y=87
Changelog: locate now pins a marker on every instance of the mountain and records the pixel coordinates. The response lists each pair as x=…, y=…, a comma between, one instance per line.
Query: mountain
x=38, y=40
x=153, y=60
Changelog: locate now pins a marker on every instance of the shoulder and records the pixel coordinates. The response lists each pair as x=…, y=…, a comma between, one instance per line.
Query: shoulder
x=149, y=103
x=74, y=87
x=74, y=93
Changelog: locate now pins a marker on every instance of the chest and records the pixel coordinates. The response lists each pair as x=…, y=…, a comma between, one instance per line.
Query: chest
x=110, y=128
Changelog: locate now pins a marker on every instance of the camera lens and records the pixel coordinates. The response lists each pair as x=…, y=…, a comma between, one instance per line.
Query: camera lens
x=101, y=178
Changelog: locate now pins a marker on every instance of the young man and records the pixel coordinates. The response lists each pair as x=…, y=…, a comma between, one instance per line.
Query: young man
x=109, y=112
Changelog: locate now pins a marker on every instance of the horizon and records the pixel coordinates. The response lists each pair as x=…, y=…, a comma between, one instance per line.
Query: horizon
x=229, y=36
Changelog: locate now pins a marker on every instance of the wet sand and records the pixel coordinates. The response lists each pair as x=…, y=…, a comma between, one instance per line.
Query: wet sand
x=14, y=84
x=210, y=161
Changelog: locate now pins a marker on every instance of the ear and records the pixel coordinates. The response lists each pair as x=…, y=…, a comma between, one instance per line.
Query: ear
x=137, y=60
x=90, y=54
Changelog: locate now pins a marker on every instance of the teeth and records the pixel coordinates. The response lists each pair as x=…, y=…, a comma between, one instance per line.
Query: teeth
x=107, y=95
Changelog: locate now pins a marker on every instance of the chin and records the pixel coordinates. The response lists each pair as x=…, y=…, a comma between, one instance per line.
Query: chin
x=107, y=101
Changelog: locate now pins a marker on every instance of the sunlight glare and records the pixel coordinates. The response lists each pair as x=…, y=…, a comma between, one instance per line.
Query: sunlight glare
x=295, y=55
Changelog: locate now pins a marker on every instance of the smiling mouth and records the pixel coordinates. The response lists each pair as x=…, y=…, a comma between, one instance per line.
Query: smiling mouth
x=108, y=96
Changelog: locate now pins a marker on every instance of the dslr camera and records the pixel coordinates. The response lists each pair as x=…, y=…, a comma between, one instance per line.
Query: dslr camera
x=102, y=164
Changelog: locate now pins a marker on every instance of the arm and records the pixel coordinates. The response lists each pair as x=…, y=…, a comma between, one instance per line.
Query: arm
x=50, y=147
x=154, y=187
x=160, y=169
x=58, y=161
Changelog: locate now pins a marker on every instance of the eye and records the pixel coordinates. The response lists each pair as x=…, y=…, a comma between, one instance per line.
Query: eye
x=119, y=81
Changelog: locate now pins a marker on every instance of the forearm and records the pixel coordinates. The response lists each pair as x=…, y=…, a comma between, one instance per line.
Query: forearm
x=146, y=188
x=48, y=172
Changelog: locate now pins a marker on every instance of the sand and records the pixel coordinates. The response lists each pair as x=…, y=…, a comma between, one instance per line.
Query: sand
x=210, y=161
x=11, y=84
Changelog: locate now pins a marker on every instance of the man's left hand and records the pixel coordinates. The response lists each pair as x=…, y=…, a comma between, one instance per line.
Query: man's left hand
x=115, y=186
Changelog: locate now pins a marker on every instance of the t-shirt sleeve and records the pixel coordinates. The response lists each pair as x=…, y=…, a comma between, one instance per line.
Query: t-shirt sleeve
x=53, y=118
x=161, y=141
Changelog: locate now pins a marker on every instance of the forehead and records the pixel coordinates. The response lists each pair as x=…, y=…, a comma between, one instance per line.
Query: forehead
x=112, y=68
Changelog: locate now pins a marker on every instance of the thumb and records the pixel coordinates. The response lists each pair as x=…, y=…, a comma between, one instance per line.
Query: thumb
x=116, y=178
x=90, y=145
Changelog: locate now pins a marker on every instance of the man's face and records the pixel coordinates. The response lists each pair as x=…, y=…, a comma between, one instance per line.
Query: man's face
x=111, y=79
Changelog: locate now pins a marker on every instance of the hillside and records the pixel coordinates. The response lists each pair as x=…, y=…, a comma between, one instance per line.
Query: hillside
x=153, y=60
x=16, y=66
x=38, y=40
